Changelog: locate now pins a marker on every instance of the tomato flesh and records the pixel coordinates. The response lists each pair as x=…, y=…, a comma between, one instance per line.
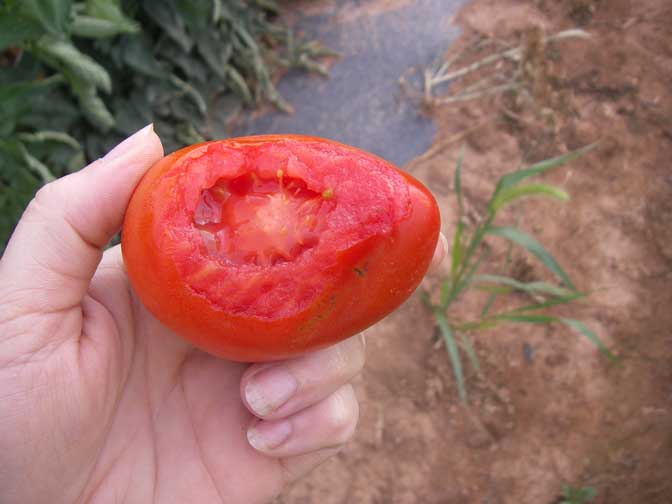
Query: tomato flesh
x=260, y=248
x=249, y=220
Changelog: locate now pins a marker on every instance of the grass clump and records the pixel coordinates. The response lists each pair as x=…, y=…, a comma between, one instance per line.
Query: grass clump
x=469, y=253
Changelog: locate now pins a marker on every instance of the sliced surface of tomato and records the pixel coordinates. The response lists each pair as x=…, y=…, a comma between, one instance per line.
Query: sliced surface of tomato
x=260, y=248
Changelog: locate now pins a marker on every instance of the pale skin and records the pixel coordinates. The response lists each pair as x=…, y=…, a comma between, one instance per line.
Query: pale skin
x=100, y=403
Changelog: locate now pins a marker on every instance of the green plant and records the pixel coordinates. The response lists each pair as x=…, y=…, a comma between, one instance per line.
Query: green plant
x=572, y=495
x=77, y=77
x=470, y=253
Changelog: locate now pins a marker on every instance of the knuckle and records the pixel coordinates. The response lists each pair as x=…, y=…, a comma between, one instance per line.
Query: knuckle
x=45, y=200
x=46, y=194
x=343, y=415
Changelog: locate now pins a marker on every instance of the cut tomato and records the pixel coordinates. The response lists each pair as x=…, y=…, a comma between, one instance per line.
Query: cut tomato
x=260, y=248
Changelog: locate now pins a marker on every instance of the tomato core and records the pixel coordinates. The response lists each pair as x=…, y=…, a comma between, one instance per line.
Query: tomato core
x=258, y=221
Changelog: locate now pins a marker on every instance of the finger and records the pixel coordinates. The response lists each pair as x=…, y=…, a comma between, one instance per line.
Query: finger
x=279, y=389
x=57, y=244
x=439, y=253
x=328, y=424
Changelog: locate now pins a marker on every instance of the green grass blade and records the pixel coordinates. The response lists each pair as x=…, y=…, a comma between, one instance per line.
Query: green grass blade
x=503, y=290
x=425, y=299
x=488, y=305
x=530, y=287
x=551, y=302
x=535, y=248
x=581, y=328
x=456, y=256
x=445, y=292
x=512, y=194
x=475, y=326
x=471, y=353
x=494, y=289
x=458, y=182
x=453, y=352
x=465, y=278
x=514, y=178
x=527, y=319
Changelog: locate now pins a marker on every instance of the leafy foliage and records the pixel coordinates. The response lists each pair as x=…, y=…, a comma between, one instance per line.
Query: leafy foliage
x=77, y=77
x=469, y=254
x=573, y=495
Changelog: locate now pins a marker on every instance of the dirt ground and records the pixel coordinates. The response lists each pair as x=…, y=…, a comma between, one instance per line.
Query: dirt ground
x=547, y=409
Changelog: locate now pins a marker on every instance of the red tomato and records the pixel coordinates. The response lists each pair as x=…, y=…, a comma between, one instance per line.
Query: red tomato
x=261, y=248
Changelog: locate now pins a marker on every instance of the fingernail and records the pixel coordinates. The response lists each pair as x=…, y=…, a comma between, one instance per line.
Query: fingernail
x=130, y=144
x=439, y=253
x=269, y=389
x=265, y=436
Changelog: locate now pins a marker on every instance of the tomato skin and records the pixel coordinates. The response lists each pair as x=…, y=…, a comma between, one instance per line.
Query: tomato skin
x=371, y=279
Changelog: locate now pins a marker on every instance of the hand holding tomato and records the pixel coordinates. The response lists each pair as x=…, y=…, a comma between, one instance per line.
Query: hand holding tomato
x=99, y=402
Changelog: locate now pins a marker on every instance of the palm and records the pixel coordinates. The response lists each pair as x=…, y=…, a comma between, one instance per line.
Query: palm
x=177, y=430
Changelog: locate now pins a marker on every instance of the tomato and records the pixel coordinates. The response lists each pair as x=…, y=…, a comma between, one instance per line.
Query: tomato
x=261, y=248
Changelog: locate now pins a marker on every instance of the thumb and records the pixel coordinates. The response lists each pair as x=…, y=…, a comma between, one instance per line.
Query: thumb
x=57, y=244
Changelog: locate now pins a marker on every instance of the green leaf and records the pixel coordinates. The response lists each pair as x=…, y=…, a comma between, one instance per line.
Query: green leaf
x=216, y=10
x=488, y=304
x=139, y=55
x=508, y=195
x=238, y=84
x=560, y=300
x=453, y=353
x=196, y=13
x=190, y=91
x=465, y=279
x=530, y=287
x=187, y=134
x=91, y=27
x=16, y=99
x=475, y=326
x=15, y=29
x=534, y=247
x=192, y=66
x=77, y=63
x=445, y=292
x=49, y=136
x=527, y=319
x=269, y=5
x=514, y=178
x=110, y=11
x=76, y=162
x=471, y=353
x=164, y=14
x=457, y=252
x=215, y=53
x=577, y=495
x=131, y=114
x=458, y=182
x=581, y=328
x=53, y=15
x=93, y=107
x=35, y=164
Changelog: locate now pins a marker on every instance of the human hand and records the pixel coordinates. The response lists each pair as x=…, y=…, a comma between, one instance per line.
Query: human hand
x=101, y=403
